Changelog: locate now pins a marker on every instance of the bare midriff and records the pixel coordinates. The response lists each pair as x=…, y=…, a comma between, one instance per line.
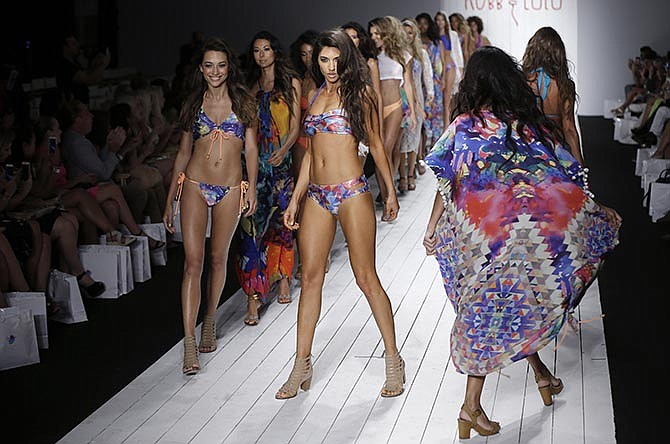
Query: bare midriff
x=228, y=172
x=334, y=159
x=390, y=91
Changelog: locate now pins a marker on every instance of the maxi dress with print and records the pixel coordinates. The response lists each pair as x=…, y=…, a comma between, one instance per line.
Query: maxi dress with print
x=266, y=246
x=519, y=241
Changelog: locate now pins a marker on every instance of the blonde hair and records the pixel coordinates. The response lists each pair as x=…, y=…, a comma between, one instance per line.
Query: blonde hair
x=394, y=37
x=462, y=27
x=415, y=45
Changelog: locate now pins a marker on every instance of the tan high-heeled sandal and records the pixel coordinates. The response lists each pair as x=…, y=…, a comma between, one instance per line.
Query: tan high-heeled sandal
x=285, y=298
x=411, y=184
x=547, y=392
x=402, y=184
x=395, y=376
x=301, y=376
x=465, y=426
x=191, y=365
x=208, y=334
x=252, y=320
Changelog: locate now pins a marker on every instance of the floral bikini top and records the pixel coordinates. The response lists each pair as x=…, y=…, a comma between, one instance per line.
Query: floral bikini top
x=203, y=126
x=334, y=121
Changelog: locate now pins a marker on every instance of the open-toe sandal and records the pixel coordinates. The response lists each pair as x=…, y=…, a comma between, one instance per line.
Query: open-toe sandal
x=250, y=319
x=208, y=335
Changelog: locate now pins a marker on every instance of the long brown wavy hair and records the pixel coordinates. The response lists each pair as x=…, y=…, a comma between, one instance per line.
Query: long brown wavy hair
x=546, y=50
x=393, y=35
x=284, y=74
x=244, y=105
x=355, y=84
x=462, y=27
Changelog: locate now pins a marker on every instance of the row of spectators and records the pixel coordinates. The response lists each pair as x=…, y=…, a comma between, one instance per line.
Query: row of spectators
x=651, y=87
x=74, y=174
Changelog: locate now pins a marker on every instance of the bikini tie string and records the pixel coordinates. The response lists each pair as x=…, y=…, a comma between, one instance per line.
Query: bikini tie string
x=177, y=198
x=244, y=186
x=574, y=324
x=217, y=135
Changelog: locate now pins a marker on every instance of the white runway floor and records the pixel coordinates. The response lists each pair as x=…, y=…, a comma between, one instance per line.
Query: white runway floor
x=232, y=399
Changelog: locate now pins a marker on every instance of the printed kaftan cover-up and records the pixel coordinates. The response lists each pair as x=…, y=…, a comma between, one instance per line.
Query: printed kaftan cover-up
x=266, y=246
x=518, y=244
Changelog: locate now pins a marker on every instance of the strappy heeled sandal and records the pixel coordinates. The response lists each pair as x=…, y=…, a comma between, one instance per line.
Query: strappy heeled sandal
x=253, y=319
x=411, y=184
x=301, y=376
x=285, y=298
x=548, y=391
x=402, y=184
x=395, y=376
x=465, y=426
x=191, y=365
x=208, y=335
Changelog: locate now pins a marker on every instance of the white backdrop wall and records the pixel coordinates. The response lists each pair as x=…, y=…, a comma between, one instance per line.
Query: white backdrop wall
x=600, y=34
x=151, y=31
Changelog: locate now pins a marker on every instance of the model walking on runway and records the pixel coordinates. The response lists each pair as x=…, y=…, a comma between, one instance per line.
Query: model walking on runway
x=341, y=113
x=516, y=233
x=217, y=127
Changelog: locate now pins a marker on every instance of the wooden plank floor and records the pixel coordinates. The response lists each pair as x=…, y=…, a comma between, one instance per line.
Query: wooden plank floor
x=232, y=399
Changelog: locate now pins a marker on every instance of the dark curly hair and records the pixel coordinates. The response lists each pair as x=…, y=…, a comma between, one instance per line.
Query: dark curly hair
x=365, y=44
x=494, y=81
x=243, y=102
x=355, y=84
x=478, y=21
x=284, y=74
x=306, y=38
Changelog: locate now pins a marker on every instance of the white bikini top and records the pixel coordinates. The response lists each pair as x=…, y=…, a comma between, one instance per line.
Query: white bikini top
x=389, y=69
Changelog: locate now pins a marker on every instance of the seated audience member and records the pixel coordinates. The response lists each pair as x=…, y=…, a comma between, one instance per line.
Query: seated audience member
x=655, y=117
x=81, y=157
x=647, y=81
x=73, y=79
x=141, y=178
x=142, y=143
x=58, y=226
x=26, y=245
x=51, y=179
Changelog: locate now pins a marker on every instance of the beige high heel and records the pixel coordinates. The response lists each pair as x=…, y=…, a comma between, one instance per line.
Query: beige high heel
x=402, y=184
x=208, y=335
x=301, y=376
x=395, y=376
x=465, y=426
x=191, y=365
x=253, y=319
x=548, y=392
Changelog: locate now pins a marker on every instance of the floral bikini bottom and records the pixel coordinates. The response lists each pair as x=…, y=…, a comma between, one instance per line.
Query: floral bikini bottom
x=212, y=194
x=330, y=197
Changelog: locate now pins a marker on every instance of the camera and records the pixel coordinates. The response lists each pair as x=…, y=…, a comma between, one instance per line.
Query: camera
x=53, y=141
